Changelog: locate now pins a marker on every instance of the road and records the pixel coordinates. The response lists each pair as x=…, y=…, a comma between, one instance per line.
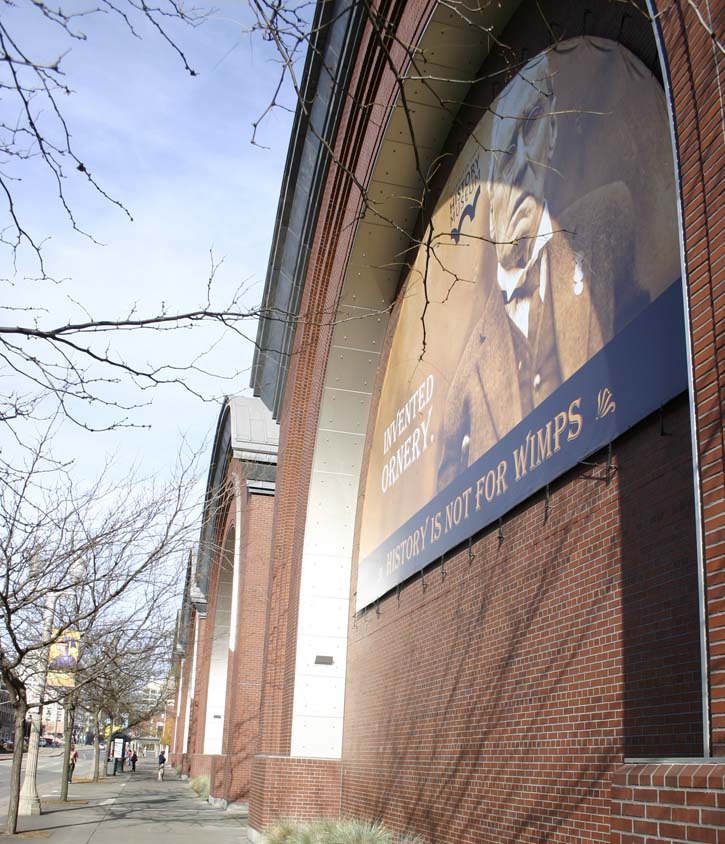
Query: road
x=50, y=764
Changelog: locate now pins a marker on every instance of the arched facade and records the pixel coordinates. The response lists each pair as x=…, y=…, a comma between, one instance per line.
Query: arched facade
x=551, y=670
x=528, y=684
x=220, y=640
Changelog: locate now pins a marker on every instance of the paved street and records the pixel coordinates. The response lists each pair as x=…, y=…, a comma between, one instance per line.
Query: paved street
x=49, y=770
x=126, y=809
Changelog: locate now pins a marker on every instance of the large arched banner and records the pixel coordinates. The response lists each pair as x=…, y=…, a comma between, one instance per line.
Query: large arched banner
x=542, y=316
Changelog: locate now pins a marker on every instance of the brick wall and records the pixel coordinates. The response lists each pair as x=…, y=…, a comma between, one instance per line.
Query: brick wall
x=494, y=702
x=230, y=771
x=498, y=701
x=668, y=803
x=695, y=72
x=659, y=650
x=675, y=802
x=244, y=683
x=217, y=769
x=304, y=789
x=200, y=765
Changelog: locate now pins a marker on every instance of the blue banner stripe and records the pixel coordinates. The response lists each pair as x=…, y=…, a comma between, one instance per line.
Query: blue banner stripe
x=641, y=369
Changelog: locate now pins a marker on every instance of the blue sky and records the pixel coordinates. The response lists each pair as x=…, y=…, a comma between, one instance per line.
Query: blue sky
x=177, y=152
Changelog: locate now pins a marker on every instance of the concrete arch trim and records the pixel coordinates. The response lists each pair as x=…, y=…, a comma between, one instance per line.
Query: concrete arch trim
x=361, y=291
x=221, y=625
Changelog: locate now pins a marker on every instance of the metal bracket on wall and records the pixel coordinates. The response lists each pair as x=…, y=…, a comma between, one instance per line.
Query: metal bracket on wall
x=444, y=573
x=471, y=555
x=501, y=537
x=422, y=579
x=610, y=468
x=609, y=471
x=397, y=595
x=547, y=504
x=663, y=433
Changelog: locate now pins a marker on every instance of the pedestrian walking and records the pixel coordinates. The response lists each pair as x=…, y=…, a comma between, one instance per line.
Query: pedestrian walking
x=162, y=763
x=134, y=760
x=72, y=762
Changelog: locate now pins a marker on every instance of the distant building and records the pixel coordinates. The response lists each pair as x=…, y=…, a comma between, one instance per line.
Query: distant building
x=152, y=695
x=54, y=720
x=220, y=639
x=6, y=716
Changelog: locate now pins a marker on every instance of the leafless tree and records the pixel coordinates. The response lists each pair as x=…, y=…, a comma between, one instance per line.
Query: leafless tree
x=117, y=680
x=82, y=561
x=33, y=126
x=83, y=362
x=86, y=364
x=92, y=366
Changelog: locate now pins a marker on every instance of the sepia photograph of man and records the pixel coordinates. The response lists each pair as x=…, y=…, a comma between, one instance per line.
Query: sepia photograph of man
x=562, y=289
x=555, y=229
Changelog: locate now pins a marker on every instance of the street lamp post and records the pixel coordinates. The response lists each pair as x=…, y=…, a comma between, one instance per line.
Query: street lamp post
x=29, y=803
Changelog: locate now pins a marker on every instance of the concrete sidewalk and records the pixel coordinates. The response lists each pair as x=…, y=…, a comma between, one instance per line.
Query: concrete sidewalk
x=132, y=809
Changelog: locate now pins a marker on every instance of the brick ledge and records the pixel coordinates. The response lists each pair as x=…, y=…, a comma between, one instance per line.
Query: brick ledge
x=680, y=773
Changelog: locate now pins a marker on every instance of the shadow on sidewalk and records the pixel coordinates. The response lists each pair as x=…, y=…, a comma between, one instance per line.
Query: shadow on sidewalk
x=136, y=806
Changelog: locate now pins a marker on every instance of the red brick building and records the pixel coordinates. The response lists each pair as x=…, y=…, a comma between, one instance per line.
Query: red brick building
x=541, y=659
x=220, y=639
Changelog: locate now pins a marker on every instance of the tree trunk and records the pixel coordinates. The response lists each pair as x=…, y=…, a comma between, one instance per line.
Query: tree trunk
x=96, y=745
x=20, y=709
x=68, y=717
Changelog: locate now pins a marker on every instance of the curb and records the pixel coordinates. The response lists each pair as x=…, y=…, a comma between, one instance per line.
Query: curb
x=8, y=757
